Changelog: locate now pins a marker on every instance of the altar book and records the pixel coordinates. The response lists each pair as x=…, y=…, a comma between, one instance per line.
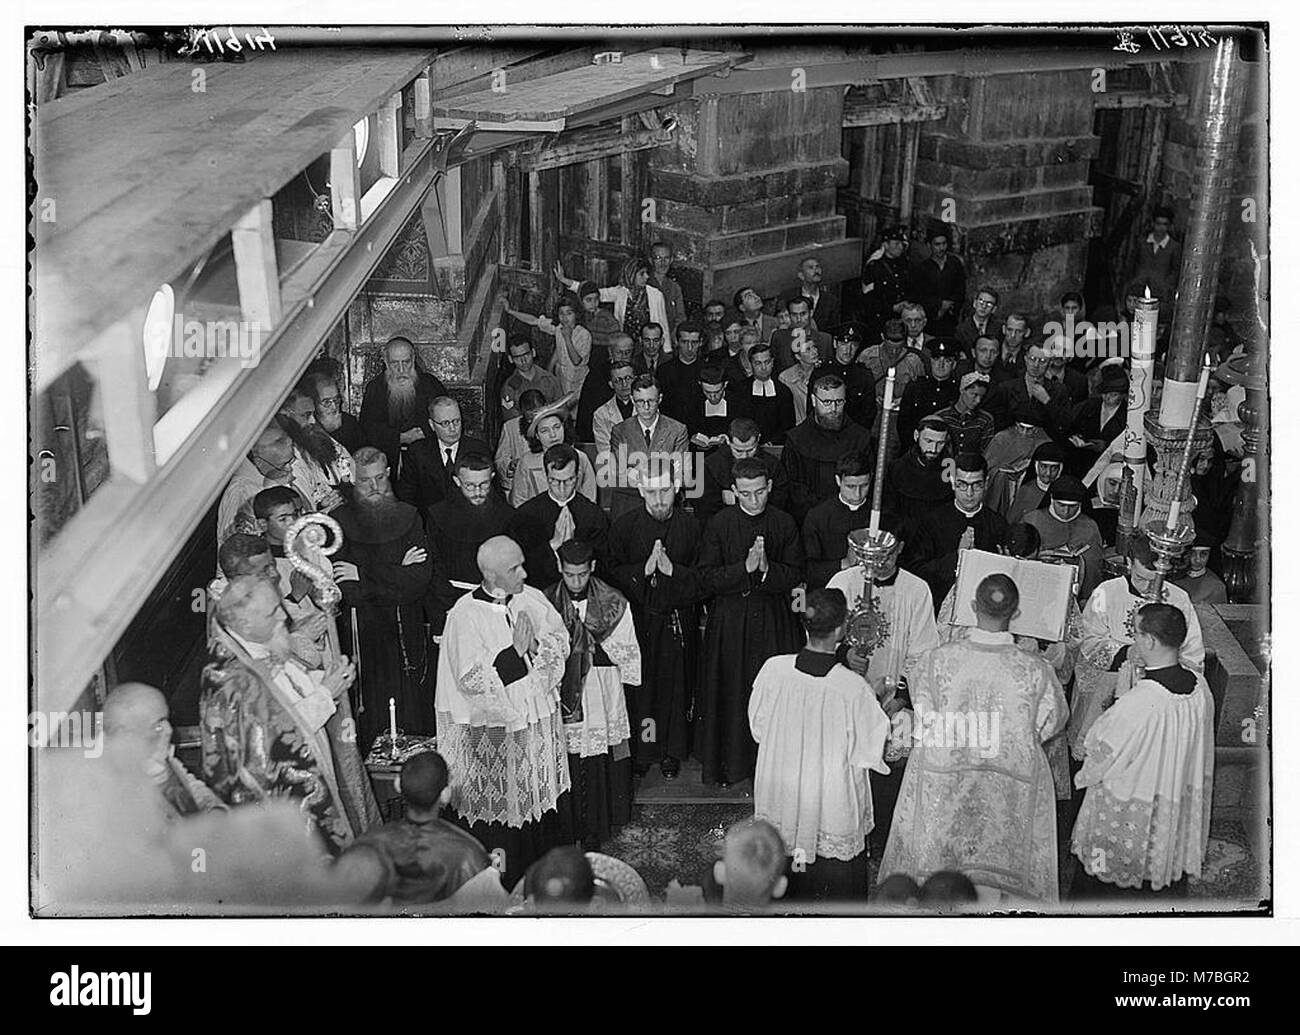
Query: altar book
x=1045, y=591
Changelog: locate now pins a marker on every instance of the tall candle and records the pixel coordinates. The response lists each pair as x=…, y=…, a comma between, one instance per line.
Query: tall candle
x=1185, y=465
x=392, y=721
x=877, y=495
x=1146, y=316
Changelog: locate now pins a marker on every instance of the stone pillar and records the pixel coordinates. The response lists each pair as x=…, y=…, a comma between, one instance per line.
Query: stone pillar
x=1009, y=167
x=747, y=189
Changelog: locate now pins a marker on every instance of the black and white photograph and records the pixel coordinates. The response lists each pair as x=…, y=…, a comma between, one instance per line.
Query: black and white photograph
x=736, y=469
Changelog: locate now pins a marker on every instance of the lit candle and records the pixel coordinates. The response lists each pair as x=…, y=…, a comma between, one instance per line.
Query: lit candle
x=880, y=464
x=392, y=721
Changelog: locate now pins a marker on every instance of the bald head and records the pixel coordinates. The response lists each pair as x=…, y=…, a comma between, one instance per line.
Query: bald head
x=502, y=564
x=136, y=725
x=997, y=602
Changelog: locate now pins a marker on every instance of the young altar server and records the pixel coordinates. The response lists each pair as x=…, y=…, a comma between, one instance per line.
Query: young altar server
x=1148, y=769
x=819, y=730
x=603, y=657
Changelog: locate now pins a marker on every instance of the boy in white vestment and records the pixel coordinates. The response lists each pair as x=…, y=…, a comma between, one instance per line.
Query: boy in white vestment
x=1149, y=771
x=819, y=729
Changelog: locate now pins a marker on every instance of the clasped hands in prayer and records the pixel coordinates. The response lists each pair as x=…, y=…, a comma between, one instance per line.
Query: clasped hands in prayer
x=339, y=676
x=524, y=635
x=658, y=560
x=756, y=559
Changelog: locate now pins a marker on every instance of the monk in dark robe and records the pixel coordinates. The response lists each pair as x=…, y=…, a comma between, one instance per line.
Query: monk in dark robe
x=395, y=405
x=941, y=534
x=826, y=528
x=385, y=572
x=742, y=443
x=750, y=560
x=458, y=526
x=653, y=553
x=544, y=523
x=918, y=481
x=814, y=447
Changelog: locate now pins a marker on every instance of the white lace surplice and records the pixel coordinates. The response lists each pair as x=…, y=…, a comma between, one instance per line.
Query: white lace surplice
x=985, y=809
x=1105, y=629
x=504, y=745
x=909, y=609
x=1149, y=772
x=604, y=705
x=817, y=737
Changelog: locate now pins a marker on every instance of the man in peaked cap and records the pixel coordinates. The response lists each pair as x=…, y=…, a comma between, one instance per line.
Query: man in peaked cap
x=927, y=395
x=884, y=282
x=1068, y=533
x=847, y=341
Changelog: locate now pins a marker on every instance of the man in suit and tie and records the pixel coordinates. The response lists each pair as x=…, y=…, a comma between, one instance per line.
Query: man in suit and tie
x=648, y=441
x=431, y=461
x=616, y=409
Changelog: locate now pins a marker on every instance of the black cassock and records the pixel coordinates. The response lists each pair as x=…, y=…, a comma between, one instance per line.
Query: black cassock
x=665, y=609
x=826, y=537
x=391, y=604
x=533, y=524
x=932, y=550
x=457, y=528
x=750, y=620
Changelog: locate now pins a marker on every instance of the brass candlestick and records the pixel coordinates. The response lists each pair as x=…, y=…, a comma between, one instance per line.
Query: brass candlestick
x=868, y=625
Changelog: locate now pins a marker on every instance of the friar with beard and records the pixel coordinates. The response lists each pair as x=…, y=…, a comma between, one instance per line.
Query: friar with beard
x=395, y=405
x=814, y=447
x=384, y=571
x=471, y=515
x=316, y=447
x=653, y=553
x=919, y=480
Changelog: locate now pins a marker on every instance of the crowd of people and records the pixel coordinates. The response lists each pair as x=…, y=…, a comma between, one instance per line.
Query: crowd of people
x=651, y=564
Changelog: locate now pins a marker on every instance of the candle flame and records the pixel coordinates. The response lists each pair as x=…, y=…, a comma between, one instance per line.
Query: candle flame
x=1146, y=293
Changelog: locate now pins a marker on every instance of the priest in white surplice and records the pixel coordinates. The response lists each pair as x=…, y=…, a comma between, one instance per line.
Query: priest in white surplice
x=819, y=729
x=977, y=796
x=1106, y=632
x=1148, y=770
x=504, y=649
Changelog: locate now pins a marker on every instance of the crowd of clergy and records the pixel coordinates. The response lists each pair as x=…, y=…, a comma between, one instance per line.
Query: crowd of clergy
x=648, y=576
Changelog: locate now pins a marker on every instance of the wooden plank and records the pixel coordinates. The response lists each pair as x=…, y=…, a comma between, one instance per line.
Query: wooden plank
x=769, y=275
x=389, y=136
x=449, y=187
x=513, y=218
x=499, y=189
x=129, y=407
x=345, y=183
x=374, y=197
x=886, y=114
x=551, y=99
x=423, y=105
x=535, y=225
x=1138, y=99
x=256, y=273
x=597, y=199
x=910, y=144
x=587, y=147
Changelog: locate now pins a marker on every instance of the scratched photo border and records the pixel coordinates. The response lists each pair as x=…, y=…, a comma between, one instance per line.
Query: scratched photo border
x=211, y=43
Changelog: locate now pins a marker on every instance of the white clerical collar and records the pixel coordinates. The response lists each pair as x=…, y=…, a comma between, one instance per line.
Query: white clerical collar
x=969, y=513
x=764, y=388
x=978, y=635
x=1151, y=239
x=560, y=503
x=717, y=409
x=855, y=507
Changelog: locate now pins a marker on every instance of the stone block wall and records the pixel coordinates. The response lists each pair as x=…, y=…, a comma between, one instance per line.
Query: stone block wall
x=1009, y=167
x=748, y=179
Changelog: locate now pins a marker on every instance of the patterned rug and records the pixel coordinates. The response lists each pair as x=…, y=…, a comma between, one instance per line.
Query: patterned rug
x=674, y=842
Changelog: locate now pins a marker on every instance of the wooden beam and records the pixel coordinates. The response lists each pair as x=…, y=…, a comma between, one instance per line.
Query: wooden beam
x=256, y=273
x=859, y=114
x=449, y=190
x=1138, y=99
x=910, y=144
x=587, y=147
x=129, y=408
x=512, y=217
x=390, y=138
x=345, y=184
x=535, y=228
x=597, y=199
x=423, y=106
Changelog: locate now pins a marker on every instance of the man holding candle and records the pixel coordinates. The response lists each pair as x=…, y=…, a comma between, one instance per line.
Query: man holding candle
x=1106, y=633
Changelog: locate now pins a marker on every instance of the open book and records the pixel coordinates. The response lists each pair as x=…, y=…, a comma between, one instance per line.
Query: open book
x=1045, y=591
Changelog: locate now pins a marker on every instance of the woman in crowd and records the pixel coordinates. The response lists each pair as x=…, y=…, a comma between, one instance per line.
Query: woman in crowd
x=545, y=429
x=636, y=301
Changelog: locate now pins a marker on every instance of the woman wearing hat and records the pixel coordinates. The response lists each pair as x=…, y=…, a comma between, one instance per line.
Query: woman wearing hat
x=1098, y=420
x=546, y=429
